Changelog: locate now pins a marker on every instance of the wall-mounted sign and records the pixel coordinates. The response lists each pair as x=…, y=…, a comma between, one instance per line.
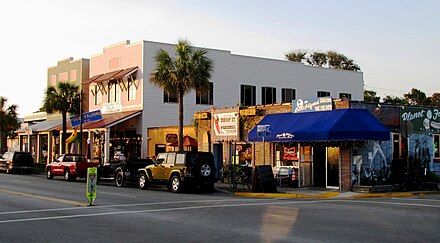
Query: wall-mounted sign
x=87, y=118
x=171, y=137
x=312, y=104
x=422, y=119
x=225, y=124
x=111, y=107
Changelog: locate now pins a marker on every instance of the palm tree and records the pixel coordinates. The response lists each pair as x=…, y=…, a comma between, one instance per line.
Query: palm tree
x=189, y=70
x=62, y=98
x=8, y=122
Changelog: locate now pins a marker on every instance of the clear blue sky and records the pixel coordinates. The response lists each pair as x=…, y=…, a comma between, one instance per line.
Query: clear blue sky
x=396, y=43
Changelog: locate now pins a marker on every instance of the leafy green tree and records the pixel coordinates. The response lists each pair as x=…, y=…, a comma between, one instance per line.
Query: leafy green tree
x=370, y=96
x=189, y=70
x=416, y=97
x=317, y=59
x=435, y=99
x=62, y=98
x=296, y=56
x=395, y=100
x=329, y=59
x=8, y=122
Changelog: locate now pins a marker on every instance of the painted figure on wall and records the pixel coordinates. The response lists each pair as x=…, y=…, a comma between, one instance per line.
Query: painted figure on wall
x=377, y=170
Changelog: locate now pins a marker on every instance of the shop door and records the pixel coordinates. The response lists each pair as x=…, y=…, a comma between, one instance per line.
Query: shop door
x=218, y=158
x=306, y=165
x=332, y=167
x=319, y=166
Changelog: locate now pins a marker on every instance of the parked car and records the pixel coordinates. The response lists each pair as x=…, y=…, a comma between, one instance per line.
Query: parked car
x=122, y=171
x=17, y=161
x=180, y=169
x=70, y=166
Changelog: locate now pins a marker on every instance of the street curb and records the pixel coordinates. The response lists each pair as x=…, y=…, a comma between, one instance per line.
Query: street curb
x=395, y=194
x=333, y=195
x=286, y=195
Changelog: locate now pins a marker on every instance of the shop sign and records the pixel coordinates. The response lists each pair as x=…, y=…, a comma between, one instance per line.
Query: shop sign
x=312, y=104
x=422, y=119
x=87, y=118
x=290, y=153
x=171, y=137
x=111, y=107
x=226, y=124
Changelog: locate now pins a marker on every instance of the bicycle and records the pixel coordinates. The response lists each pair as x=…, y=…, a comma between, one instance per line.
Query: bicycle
x=238, y=174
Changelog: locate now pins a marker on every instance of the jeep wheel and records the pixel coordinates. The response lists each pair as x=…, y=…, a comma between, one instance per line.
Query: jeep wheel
x=205, y=170
x=119, y=179
x=175, y=183
x=49, y=174
x=142, y=181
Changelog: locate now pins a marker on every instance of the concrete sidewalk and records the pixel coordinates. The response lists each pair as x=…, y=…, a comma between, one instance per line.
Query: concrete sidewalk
x=288, y=192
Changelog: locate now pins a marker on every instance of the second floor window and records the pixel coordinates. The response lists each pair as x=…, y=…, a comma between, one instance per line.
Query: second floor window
x=205, y=97
x=247, y=95
x=98, y=96
x=323, y=94
x=344, y=96
x=268, y=95
x=131, y=91
x=287, y=95
x=170, y=97
x=114, y=93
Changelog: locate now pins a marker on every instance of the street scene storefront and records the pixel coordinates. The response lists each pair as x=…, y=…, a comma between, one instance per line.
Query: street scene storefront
x=325, y=154
x=111, y=136
x=323, y=140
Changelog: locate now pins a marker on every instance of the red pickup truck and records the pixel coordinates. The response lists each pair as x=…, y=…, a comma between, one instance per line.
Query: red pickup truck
x=70, y=166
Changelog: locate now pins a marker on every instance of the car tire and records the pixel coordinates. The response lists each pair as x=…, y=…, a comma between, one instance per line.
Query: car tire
x=49, y=174
x=67, y=176
x=175, y=184
x=119, y=178
x=205, y=170
x=143, y=181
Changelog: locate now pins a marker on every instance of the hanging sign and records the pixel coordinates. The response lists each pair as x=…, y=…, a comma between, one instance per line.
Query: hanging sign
x=87, y=118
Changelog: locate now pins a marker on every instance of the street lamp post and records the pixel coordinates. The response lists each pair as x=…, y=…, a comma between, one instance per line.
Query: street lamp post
x=80, y=121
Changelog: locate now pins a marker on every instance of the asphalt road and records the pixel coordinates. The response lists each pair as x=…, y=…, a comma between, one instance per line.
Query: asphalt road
x=34, y=209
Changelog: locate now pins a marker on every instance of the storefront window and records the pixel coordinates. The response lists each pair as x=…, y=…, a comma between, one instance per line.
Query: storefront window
x=286, y=154
x=436, y=144
x=243, y=153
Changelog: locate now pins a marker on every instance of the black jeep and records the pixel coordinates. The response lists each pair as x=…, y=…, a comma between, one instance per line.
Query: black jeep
x=122, y=171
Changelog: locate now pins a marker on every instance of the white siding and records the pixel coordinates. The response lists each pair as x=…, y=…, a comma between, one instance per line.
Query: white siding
x=232, y=70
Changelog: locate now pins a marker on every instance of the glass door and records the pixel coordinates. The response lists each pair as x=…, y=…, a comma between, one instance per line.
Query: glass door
x=332, y=167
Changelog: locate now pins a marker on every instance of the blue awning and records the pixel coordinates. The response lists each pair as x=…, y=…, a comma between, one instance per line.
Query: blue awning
x=335, y=125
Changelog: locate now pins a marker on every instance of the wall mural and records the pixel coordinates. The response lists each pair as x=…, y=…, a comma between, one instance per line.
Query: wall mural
x=420, y=156
x=372, y=164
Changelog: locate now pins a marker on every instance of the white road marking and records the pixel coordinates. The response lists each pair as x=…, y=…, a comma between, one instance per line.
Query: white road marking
x=152, y=210
x=130, y=205
x=116, y=194
x=391, y=203
x=19, y=181
x=417, y=199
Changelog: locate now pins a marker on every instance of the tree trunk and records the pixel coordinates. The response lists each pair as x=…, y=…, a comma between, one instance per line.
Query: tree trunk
x=63, y=135
x=180, y=110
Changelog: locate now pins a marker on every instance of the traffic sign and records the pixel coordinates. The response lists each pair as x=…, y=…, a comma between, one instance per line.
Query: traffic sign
x=92, y=178
x=263, y=130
